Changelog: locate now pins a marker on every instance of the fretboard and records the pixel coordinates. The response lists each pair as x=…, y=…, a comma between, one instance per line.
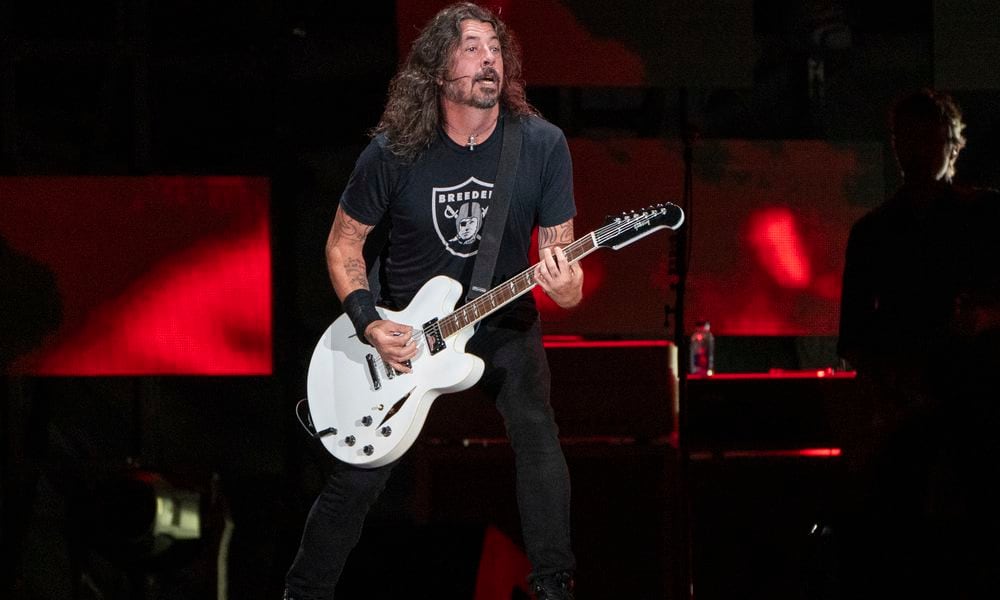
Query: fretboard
x=508, y=291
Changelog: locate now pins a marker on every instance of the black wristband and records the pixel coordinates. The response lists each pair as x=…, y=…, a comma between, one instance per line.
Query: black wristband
x=360, y=308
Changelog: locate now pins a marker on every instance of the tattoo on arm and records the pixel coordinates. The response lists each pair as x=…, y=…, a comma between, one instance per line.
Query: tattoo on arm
x=346, y=228
x=560, y=235
x=356, y=272
x=344, y=256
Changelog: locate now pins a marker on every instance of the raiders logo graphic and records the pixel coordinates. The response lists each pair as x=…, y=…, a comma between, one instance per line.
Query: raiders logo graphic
x=459, y=212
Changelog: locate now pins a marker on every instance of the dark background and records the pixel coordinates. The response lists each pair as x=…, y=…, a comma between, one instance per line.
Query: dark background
x=288, y=90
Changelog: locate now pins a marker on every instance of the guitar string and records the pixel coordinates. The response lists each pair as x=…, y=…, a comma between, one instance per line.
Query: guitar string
x=601, y=235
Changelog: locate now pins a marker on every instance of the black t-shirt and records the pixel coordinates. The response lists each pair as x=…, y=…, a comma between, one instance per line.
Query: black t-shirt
x=913, y=266
x=437, y=204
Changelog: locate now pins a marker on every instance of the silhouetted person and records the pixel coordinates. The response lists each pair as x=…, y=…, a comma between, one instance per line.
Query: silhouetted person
x=30, y=307
x=920, y=284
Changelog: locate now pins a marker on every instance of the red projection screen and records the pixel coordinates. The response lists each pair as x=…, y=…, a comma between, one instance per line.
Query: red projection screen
x=769, y=226
x=135, y=276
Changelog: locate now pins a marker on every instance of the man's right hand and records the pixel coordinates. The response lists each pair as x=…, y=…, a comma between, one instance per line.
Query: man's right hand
x=394, y=343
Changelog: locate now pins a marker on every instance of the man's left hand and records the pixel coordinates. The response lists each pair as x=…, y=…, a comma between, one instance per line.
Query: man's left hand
x=561, y=279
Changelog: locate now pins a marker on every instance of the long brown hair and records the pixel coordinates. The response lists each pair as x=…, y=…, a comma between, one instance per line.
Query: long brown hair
x=412, y=113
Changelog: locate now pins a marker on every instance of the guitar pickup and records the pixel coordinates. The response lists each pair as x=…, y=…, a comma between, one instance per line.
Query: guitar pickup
x=373, y=371
x=432, y=333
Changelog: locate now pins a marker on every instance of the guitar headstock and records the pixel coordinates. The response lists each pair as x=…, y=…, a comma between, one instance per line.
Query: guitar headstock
x=621, y=230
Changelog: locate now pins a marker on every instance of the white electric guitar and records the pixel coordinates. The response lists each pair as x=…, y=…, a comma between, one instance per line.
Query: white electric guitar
x=368, y=414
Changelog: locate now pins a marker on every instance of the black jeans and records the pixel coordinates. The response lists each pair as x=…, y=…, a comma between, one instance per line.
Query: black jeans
x=517, y=375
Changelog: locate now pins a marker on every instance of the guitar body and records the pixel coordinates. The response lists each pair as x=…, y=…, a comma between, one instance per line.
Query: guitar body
x=378, y=416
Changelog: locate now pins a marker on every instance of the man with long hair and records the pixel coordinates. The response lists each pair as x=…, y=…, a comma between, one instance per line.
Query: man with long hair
x=436, y=149
x=926, y=129
x=919, y=323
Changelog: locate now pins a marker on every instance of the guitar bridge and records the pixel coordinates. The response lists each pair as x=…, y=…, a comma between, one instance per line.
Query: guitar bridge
x=432, y=333
x=392, y=372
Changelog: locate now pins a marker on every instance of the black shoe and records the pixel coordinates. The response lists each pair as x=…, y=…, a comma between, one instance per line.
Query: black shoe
x=553, y=587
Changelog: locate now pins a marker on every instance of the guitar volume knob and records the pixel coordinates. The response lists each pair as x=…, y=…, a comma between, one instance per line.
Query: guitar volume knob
x=366, y=420
x=386, y=431
x=368, y=450
x=349, y=440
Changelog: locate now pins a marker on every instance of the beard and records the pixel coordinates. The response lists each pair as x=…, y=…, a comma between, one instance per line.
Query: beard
x=484, y=100
x=460, y=92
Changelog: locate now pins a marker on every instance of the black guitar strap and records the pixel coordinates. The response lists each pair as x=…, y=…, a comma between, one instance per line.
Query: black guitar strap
x=496, y=221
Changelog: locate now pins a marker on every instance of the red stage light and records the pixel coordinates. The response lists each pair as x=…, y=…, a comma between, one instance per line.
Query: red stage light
x=151, y=275
x=773, y=234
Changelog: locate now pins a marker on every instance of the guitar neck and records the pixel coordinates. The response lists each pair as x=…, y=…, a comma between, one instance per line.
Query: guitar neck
x=508, y=291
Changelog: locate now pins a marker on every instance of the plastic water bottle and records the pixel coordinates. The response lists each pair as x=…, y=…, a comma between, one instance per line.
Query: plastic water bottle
x=702, y=350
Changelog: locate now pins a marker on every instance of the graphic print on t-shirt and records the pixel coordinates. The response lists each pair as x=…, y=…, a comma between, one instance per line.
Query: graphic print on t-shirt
x=459, y=212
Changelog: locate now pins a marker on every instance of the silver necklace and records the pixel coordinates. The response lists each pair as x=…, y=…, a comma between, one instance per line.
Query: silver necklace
x=471, y=143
